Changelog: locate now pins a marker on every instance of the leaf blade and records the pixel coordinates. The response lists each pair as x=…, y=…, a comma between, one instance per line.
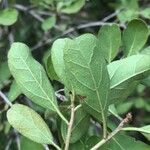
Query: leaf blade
x=109, y=38
x=29, y=124
x=135, y=36
x=124, y=74
x=8, y=16
x=26, y=71
x=81, y=61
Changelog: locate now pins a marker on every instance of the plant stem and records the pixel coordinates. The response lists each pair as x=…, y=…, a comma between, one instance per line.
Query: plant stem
x=5, y=99
x=70, y=122
x=56, y=146
x=104, y=126
x=113, y=133
x=77, y=107
x=62, y=117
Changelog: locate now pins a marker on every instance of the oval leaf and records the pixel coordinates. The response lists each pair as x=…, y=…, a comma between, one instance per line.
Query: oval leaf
x=135, y=36
x=49, y=66
x=77, y=146
x=14, y=91
x=29, y=124
x=87, y=72
x=49, y=23
x=123, y=142
x=57, y=55
x=28, y=144
x=109, y=40
x=8, y=16
x=4, y=74
x=70, y=7
x=146, y=51
x=124, y=74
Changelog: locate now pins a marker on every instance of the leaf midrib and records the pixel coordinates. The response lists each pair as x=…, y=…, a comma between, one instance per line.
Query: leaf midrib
x=110, y=47
x=125, y=79
x=39, y=85
x=128, y=78
x=79, y=122
x=97, y=92
x=131, y=48
x=118, y=143
x=39, y=129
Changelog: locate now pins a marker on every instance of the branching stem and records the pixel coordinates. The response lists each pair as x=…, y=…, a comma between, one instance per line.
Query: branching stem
x=70, y=122
x=77, y=107
x=113, y=133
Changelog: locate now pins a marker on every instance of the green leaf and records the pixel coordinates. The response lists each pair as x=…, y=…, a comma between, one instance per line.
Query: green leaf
x=49, y=66
x=91, y=141
x=29, y=123
x=113, y=111
x=4, y=74
x=124, y=107
x=87, y=72
x=57, y=56
x=123, y=142
x=145, y=13
x=31, y=77
x=14, y=91
x=80, y=126
x=125, y=73
x=70, y=7
x=146, y=51
x=129, y=10
x=42, y=3
x=4, y=71
x=49, y=23
x=77, y=146
x=8, y=16
x=127, y=15
x=28, y=144
x=109, y=38
x=134, y=37
x=146, y=81
x=131, y=4
x=147, y=136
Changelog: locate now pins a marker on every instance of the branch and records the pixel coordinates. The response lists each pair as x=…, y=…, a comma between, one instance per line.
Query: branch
x=5, y=99
x=113, y=133
x=111, y=15
x=77, y=107
x=31, y=12
x=70, y=122
x=72, y=29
